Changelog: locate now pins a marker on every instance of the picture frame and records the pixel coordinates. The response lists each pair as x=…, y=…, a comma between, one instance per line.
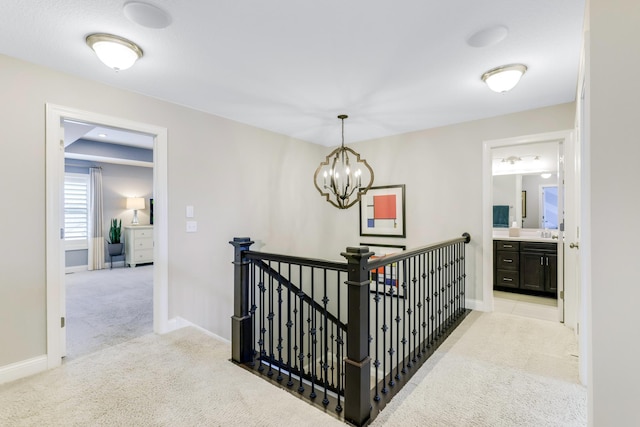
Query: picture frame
x=382, y=212
x=383, y=278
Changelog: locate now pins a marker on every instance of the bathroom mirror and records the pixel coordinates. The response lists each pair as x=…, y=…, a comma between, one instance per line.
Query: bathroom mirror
x=529, y=200
x=525, y=186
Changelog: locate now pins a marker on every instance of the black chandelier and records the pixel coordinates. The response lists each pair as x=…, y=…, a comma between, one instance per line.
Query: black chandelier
x=339, y=178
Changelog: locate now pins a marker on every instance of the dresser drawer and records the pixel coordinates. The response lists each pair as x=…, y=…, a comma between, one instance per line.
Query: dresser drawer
x=143, y=234
x=143, y=244
x=506, y=245
x=507, y=260
x=142, y=256
x=507, y=278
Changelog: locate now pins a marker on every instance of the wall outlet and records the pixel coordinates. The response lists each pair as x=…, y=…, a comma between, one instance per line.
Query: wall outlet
x=192, y=226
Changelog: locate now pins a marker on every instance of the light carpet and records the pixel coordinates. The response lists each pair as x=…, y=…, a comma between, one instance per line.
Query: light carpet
x=107, y=307
x=495, y=370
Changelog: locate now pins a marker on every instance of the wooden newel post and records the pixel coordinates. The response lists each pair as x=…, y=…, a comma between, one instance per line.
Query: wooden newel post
x=357, y=390
x=241, y=319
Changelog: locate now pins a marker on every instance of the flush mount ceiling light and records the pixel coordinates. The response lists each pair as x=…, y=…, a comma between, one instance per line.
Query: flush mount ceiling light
x=115, y=52
x=503, y=79
x=339, y=178
x=545, y=175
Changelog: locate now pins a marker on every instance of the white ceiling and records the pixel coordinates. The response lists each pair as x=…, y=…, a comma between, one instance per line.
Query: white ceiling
x=291, y=66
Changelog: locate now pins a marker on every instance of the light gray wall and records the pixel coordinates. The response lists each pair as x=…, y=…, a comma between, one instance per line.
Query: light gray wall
x=612, y=265
x=118, y=183
x=242, y=181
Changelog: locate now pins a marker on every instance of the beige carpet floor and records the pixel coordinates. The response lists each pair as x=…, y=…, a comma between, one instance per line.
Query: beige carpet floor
x=495, y=370
x=107, y=307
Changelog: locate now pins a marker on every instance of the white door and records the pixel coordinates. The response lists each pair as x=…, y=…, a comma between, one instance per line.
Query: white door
x=570, y=244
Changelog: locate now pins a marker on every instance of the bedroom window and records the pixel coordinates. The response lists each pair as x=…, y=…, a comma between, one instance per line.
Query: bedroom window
x=76, y=211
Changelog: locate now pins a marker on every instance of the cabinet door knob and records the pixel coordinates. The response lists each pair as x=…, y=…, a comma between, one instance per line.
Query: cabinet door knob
x=574, y=245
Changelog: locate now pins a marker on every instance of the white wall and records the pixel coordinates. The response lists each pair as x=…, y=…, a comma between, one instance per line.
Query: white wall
x=614, y=92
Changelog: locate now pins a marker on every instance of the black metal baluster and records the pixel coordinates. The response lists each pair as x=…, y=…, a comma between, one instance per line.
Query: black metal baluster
x=405, y=323
x=413, y=312
x=334, y=334
x=423, y=306
x=301, y=328
x=325, y=365
x=289, y=326
x=252, y=311
x=434, y=297
x=261, y=341
x=388, y=270
x=311, y=356
x=418, y=305
x=376, y=363
x=270, y=319
x=280, y=339
x=400, y=330
x=339, y=347
x=384, y=328
x=464, y=274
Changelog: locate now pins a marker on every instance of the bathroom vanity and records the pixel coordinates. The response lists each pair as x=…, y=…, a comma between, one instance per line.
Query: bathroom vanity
x=525, y=264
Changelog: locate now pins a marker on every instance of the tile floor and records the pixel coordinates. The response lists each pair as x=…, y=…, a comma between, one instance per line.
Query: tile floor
x=525, y=305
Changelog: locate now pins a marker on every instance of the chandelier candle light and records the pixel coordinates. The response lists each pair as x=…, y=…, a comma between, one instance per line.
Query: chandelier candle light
x=342, y=175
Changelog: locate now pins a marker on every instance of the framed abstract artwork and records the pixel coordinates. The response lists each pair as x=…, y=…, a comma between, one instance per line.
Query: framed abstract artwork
x=382, y=212
x=385, y=278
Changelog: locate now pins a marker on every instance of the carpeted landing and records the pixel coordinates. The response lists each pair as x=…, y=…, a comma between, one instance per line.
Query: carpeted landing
x=495, y=370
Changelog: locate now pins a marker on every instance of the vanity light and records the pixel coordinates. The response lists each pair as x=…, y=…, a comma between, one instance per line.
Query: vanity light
x=545, y=175
x=503, y=79
x=115, y=52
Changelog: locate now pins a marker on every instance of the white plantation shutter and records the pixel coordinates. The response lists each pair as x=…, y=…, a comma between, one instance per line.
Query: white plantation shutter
x=76, y=210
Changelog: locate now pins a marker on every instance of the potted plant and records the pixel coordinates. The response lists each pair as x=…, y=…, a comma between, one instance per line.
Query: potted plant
x=114, y=244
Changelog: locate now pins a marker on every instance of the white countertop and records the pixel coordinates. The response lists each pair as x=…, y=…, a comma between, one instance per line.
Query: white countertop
x=526, y=235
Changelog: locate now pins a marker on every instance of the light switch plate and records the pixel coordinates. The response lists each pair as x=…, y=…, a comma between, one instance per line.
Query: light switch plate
x=189, y=211
x=192, y=226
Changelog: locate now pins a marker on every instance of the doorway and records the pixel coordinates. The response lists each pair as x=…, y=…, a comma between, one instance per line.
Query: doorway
x=560, y=138
x=105, y=304
x=55, y=266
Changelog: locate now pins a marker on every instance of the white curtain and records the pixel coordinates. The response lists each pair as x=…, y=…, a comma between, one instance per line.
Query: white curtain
x=96, y=233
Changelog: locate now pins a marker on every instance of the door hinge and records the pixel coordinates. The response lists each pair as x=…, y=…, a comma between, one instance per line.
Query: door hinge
x=62, y=322
x=561, y=294
x=62, y=234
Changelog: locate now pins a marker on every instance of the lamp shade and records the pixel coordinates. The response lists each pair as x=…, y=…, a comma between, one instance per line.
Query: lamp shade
x=505, y=78
x=134, y=203
x=115, y=52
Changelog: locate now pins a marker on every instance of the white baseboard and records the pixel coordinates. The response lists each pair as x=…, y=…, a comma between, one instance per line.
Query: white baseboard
x=475, y=304
x=23, y=369
x=76, y=269
x=179, y=323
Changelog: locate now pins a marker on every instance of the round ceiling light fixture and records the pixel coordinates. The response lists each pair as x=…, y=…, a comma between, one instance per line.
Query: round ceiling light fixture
x=504, y=78
x=115, y=52
x=146, y=14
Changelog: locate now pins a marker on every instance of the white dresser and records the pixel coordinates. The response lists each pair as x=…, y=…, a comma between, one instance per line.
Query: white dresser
x=138, y=244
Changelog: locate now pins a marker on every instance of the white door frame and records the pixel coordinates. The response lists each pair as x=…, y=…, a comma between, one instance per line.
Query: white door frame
x=487, y=197
x=54, y=151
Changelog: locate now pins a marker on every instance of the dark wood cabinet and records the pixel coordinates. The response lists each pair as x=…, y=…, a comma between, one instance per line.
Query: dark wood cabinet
x=526, y=266
x=506, y=264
